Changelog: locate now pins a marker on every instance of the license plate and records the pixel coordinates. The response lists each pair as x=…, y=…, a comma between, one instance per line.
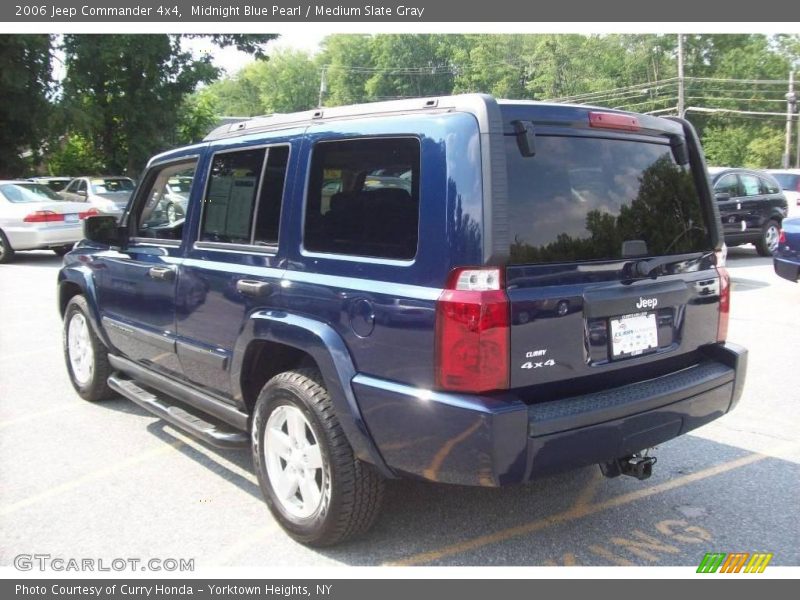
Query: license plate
x=632, y=335
x=70, y=218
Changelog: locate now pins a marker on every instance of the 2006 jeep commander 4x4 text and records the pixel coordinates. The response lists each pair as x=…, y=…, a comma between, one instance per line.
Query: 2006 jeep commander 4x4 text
x=456, y=289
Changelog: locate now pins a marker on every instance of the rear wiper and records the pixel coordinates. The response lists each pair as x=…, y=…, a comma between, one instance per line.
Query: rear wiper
x=645, y=267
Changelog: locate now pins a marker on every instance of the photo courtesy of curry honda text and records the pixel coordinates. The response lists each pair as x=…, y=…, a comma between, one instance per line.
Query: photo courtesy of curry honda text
x=350, y=289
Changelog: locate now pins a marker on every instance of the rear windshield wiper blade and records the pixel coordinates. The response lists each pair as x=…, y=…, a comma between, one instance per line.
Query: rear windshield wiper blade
x=645, y=267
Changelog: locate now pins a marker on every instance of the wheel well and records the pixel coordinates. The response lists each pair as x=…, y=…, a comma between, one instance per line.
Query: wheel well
x=262, y=361
x=66, y=291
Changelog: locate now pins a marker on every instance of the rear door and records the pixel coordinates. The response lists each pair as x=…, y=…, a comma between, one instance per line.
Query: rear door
x=611, y=273
x=755, y=205
x=728, y=191
x=233, y=267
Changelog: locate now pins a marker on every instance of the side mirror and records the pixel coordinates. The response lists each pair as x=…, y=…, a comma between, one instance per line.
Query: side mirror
x=722, y=196
x=103, y=229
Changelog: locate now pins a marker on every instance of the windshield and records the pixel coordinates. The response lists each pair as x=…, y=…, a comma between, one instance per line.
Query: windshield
x=111, y=186
x=28, y=192
x=788, y=181
x=581, y=198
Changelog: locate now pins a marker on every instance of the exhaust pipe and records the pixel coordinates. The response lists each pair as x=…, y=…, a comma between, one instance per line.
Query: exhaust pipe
x=637, y=465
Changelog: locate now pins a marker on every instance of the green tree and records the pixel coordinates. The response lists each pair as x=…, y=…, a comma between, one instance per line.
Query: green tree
x=24, y=108
x=125, y=92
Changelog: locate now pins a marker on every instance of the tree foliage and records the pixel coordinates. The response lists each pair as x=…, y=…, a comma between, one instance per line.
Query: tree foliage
x=25, y=82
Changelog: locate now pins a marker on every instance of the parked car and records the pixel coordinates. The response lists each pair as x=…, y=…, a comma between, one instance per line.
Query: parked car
x=786, y=260
x=33, y=217
x=109, y=195
x=751, y=206
x=355, y=332
x=56, y=184
x=789, y=180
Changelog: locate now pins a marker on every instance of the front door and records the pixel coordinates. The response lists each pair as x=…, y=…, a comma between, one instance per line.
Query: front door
x=137, y=283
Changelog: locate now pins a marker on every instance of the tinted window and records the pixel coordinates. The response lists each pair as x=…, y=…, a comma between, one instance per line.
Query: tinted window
x=271, y=197
x=236, y=178
x=750, y=184
x=788, y=181
x=582, y=198
x=231, y=195
x=363, y=198
x=728, y=185
x=155, y=220
x=769, y=187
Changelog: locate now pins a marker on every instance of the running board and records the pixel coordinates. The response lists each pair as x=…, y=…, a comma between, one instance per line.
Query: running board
x=216, y=435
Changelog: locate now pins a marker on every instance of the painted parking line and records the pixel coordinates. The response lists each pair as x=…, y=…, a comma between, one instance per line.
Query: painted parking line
x=40, y=414
x=90, y=476
x=577, y=511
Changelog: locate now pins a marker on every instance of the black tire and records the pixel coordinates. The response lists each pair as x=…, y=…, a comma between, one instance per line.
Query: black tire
x=95, y=388
x=62, y=250
x=768, y=241
x=6, y=251
x=356, y=489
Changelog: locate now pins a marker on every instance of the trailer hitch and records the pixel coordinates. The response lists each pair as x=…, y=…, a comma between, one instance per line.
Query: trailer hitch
x=638, y=465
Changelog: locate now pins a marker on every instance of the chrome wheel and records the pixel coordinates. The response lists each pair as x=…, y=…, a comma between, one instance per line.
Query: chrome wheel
x=771, y=237
x=295, y=465
x=79, y=345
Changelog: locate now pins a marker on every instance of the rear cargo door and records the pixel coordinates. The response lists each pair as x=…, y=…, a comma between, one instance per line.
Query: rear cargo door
x=611, y=261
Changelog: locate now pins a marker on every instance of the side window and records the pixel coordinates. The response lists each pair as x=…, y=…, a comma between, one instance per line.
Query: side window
x=363, y=198
x=728, y=185
x=157, y=217
x=232, y=198
x=768, y=187
x=72, y=187
x=750, y=184
x=81, y=185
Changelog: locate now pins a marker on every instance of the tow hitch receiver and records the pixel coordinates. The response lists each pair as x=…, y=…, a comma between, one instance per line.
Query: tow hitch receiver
x=637, y=465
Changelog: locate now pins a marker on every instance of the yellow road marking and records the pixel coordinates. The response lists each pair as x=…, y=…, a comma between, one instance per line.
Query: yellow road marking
x=90, y=476
x=39, y=414
x=432, y=472
x=576, y=512
x=610, y=556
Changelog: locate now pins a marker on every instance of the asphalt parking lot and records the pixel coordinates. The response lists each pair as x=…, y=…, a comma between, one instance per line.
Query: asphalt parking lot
x=109, y=480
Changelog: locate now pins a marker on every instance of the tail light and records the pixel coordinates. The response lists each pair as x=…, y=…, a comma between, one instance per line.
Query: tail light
x=43, y=216
x=724, y=303
x=782, y=236
x=472, y=332
x=89, y=213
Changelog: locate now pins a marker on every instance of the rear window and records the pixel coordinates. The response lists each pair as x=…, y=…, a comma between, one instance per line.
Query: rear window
x=19, y=193
x=580, y=198
x=111, y=186
x=788, y=181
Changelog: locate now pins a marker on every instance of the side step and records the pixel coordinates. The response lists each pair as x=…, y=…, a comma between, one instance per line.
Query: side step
x=216, y=435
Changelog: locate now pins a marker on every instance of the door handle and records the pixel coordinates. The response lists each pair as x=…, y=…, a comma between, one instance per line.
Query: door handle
x=161, y=273
x=253, y=288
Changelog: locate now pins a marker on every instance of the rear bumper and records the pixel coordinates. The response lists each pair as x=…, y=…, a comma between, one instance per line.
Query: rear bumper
x=481, y=440
x=786, y=268
x=44, y=236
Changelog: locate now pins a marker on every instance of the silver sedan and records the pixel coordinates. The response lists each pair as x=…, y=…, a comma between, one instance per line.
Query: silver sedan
x=33, y=217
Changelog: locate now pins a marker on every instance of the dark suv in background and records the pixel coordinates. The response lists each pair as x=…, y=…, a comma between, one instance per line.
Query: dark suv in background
x=752, y=207
x=455, y=289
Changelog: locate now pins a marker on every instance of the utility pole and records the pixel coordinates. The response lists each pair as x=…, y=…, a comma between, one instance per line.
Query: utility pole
x=681, y=91
x=791, y=98
x=323, y=87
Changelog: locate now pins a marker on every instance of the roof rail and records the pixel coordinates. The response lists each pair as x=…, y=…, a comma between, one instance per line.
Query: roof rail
x=285, y=120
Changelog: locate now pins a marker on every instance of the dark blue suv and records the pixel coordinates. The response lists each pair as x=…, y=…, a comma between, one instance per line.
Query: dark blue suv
x=454, y=289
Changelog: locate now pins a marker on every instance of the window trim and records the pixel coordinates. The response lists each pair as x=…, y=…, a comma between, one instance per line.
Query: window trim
x=398, y=262
x=270, y=249
x=137, y=202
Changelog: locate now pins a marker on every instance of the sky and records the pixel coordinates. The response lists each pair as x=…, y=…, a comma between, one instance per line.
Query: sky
x=231, y=60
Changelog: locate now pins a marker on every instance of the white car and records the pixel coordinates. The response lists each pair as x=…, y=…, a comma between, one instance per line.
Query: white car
x=789, y=180
x=109, y=195
x=33, y=217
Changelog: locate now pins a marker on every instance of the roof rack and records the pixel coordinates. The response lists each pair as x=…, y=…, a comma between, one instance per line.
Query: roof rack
x=285, y=120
